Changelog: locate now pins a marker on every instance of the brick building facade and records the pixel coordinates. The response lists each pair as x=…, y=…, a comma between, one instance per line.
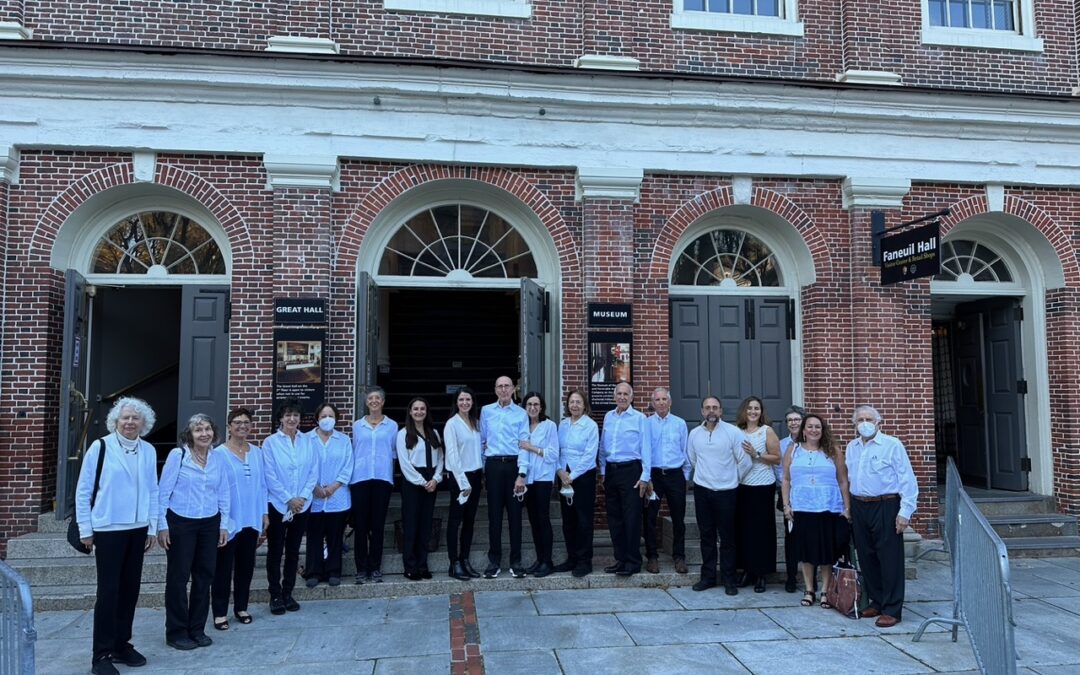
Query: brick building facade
x=616, y=141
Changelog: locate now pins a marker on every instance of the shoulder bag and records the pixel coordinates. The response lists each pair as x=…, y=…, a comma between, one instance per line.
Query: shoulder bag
x=73, y=526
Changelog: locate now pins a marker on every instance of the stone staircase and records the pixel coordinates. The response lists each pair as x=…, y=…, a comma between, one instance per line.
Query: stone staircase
x=1028, y=524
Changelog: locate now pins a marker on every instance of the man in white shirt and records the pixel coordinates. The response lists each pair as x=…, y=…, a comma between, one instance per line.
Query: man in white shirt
x=715, y=451
x=625, y=470
x=793, y=420
x=670, y=471
x=883, y=497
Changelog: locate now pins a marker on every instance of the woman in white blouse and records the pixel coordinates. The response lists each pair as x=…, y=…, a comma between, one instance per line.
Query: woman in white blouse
x=193, y=500
x=247, y=529
x=755, y=520
x=543, y=448
x=374, y=441
x=420, y=456
x=120, y=524
x=326, y=524
x=579, y=443
x=292, y=470
x=465, y=462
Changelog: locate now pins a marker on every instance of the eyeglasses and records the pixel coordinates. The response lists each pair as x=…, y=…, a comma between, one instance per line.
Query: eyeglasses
x=242, y=423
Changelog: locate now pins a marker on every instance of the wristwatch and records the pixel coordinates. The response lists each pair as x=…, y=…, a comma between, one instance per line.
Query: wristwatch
x=521, y=475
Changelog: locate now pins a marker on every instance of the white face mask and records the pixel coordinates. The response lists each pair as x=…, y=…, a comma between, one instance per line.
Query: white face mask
x=568, y=494
x=867, y=429
x=327, y=424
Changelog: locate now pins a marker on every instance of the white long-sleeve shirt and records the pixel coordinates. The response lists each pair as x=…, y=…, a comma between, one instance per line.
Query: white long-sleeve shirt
x=542, y=467
x=579, y=443
x=881, y=466
x=408, y=459
x=335, y=466
x=717, y=456
x=463, y=452
x=292, y=468
x=247, y=489
x=127, y=495
x=194, y=491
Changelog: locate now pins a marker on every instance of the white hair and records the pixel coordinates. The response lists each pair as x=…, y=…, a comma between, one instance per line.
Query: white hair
x=661, y=390
x=136, y=404
x=865, y=408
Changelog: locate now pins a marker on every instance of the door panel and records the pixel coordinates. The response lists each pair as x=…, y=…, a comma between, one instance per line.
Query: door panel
x=533, y=327
x=204, y=353
x=74, y=407
x=689, y=356
x=970, y=402
x=730, y=369
x=770, y=356
x=1004, y=402
x=367, y=339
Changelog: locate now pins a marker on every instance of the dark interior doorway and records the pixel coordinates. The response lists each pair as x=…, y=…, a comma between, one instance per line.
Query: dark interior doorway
x=438, y=340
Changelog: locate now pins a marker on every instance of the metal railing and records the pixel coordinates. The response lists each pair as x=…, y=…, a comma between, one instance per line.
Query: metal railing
x=982, y=594
x=17, y=634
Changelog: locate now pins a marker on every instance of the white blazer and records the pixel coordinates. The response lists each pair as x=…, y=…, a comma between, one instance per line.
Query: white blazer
x=126, y=498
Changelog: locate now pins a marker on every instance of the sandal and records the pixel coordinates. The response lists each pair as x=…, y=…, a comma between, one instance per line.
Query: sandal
x=243, y=617
x=825, y=604
x=221, y=625
x=808, y=599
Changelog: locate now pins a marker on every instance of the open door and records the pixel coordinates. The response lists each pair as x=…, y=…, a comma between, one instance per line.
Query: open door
x=970, y=397
x=533, y=328
x=367, y=339
x=1005, y=389
x=204, y=353
x=74, y=407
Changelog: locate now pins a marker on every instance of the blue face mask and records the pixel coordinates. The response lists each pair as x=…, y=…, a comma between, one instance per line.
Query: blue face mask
x=327, y=424
x=867, y=429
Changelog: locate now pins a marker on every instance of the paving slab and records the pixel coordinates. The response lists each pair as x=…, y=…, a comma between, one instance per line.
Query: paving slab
x=404, y=638
x=656, y=660
x=312, y=614
x=815, y=622
x=937, y=650
x=828, y=655
x=58, y=624
x=517, y=633
x=716, y=598
x=351, y=667
x=409, y=665
x=934, y=583
x=1045, y=635
x=701, y=627
x=533, y=662
x=323, y=643
x=1070, y=605
x=505, y=603
x=418, y=608
x=604, y=601
x=1037, y=584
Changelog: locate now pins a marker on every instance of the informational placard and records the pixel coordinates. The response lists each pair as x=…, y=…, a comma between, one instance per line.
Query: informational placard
x=299, y=312
x=610, y=362
x=910, y=255
x=610, y=315
x=299, y=362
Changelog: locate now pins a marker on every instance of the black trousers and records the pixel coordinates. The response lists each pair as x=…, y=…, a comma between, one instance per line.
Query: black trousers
x=235, y=568
x=119, y=559
x=881, y=553
x=192, y=555
x=791, y=562
x=715, y=511
x=624, y=512
x=577, y=520
x=755, y=530
x=328, y=528
x=538, y=505
x=500, y=475
x=283, y=538
x=417, y=511
x=669, y=484
x=370, y=501
x=462, y=516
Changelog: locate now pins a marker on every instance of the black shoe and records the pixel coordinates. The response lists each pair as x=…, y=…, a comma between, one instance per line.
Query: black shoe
x=375, y=576
x=744, y=580
x=469, y=568
x=582, y=571
x=413, y=576
x=312, y=582
x=567, y=566
x=492, y=571
x=789, y=586
x=425, y=573
x=542, y=571
x=703, y=585
x=291, y=605
x=627, y=571
x=184, y=644
x=128, y=656
x=457, y=571
x=759, y=587
x=277, y=606
x=359, y=579
x=202, y=640
x=103, y=666
x=731, y=589
x=612, y=569
x=334, y=581
x=518, y=572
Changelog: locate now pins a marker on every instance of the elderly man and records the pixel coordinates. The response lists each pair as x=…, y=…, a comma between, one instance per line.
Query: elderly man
x=625, y=470
x=883, y=497
x=503, y=424
x=715, y=451
x=670, y=471
x=793, y=420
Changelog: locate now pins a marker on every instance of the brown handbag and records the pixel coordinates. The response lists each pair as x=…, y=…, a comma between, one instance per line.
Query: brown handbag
x=845, y=589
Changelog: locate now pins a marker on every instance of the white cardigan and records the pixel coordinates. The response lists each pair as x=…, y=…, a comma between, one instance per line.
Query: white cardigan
x=126, y=499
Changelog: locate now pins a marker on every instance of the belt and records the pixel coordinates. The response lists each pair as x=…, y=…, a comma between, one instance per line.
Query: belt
x=619, y=465
x=501, y=458
x=879, y=498
x=664, y=472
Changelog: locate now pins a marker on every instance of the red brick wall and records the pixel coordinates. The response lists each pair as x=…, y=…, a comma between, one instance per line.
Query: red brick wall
x=11, y=10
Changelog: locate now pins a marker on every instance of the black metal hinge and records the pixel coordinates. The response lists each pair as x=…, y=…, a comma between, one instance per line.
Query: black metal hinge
x=1021, y=386
x=1025, y=464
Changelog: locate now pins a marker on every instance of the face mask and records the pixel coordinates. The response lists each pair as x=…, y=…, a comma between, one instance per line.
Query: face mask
x=462, y=498
x=568, y=494
x=327, y=424
x=519, y=493
x=867, y=429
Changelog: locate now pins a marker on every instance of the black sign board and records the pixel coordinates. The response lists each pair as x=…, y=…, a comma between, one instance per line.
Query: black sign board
x=299, y=312
x=610, y=315
x=610, y=362
x=299, y=370
x=910, y=255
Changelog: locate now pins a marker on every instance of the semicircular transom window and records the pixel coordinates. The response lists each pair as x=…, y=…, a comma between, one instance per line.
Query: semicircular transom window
x=726, y=258
x=458, y=241
x=157, y=244
x=965, y=260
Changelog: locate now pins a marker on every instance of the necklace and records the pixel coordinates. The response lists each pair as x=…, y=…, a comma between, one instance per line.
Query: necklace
x=201, y=461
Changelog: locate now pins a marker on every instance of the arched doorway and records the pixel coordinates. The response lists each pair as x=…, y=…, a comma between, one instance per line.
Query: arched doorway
x=146, y=315
x=457, y=284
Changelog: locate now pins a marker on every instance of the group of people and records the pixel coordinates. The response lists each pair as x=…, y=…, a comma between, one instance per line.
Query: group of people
x=217, y=502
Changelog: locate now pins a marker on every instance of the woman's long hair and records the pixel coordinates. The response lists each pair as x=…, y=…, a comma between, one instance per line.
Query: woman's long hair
x=543, y=404
x=429, y=435
x=474, y=411
x=828, y=441
x=741, y=419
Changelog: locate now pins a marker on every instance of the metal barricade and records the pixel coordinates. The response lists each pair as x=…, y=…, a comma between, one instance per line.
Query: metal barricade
x=17, y=634
x=982, y=594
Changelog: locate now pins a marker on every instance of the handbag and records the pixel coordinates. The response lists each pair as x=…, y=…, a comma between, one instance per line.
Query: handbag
x=73, y=527
x=845, y=591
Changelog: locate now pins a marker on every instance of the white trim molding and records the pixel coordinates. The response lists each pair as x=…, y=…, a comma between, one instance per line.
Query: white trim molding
x=301, y=45
x=868, y=77
x=605, y=62
x=877, y=193
x=724, y=22
x=144, y=165
x=508, y=9
x=9, y=165
x=13, y=30
x=301, y=172
x=1022, y=40
x=609, y=183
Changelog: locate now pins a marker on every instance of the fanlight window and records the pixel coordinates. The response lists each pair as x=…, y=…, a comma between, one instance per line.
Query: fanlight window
x=966, y=260
x=728, y=258
x=458, y=241
x=157, y=243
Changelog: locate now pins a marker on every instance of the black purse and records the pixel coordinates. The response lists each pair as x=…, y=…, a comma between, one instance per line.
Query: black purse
x=73, y=527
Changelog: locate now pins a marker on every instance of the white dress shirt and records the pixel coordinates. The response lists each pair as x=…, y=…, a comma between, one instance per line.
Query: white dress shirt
x=247, y=489
x=668, y=436
x=579, y=443
x=191, y=490
x=373, y=450
x=881, y=466
x=463, y=453
x=335, y=466
x=542, y=467
x=408, y=459
x=786, y=443
x=717, y=456
x=292, y=468
x=625, y=439
x=127, y=495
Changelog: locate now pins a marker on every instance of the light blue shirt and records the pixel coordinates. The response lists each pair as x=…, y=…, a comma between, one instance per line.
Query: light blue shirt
x=578, y=444
x=814, y=488
x=881, y=466
x=247, y=489
x=542, y=467
x=785, y=444
x=373, y=450
x=501, y=428
x=625, y=438
x=668, y=438
x=335, y=466
x=292, y=467
x=193, y=491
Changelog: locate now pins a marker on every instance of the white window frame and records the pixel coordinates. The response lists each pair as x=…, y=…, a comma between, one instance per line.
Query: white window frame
x=788, y=24
x=1021, y=40
x=508, y=9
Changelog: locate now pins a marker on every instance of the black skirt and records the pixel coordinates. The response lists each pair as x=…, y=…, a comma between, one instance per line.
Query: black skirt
x=820, y=538
x=755, y=538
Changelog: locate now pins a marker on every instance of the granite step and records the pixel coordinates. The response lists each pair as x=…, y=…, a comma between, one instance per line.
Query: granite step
x=1030, y=525
x=1042, y=547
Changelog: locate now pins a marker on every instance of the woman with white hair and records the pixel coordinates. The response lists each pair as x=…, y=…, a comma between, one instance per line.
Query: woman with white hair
x=194, y=502
x=116, y=509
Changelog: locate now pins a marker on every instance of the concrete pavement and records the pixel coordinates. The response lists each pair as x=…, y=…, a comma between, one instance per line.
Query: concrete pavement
x=604, y=630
